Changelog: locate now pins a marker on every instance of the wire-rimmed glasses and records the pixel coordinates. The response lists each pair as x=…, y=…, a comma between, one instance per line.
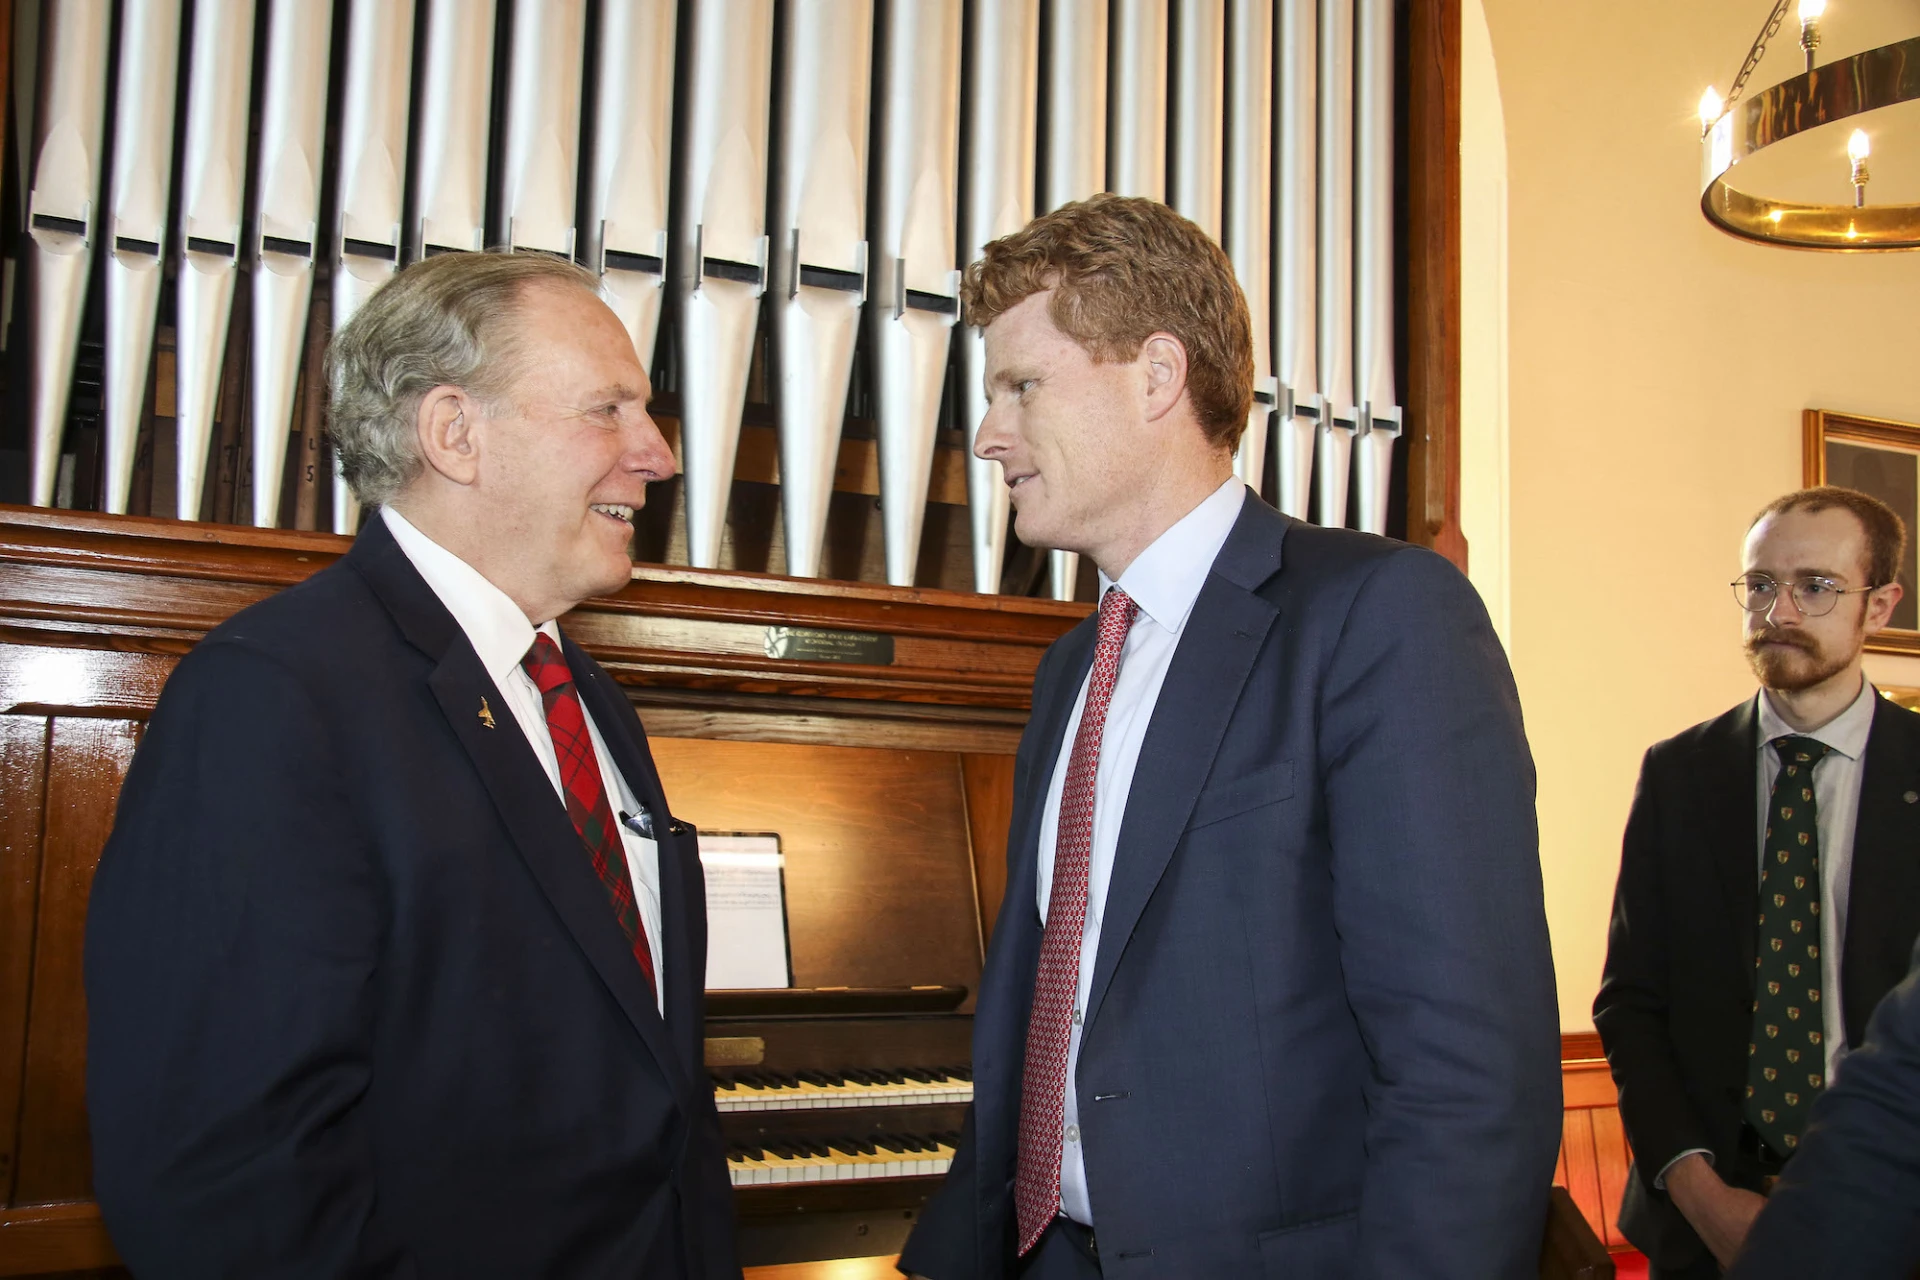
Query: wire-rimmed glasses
x=1813, y=596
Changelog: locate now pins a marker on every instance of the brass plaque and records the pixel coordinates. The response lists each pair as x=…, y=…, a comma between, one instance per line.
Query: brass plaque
x=806, y=644
x=736, y=1051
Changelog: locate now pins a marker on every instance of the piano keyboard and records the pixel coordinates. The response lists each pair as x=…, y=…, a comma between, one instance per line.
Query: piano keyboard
x=887, y=1155
x=811, y=1090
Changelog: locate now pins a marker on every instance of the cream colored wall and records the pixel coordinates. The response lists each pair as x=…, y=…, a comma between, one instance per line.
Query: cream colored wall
x=1656, y=370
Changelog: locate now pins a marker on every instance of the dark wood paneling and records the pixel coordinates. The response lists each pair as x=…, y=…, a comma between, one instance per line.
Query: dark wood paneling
x=1433, y=278
x=989, y=783
x=87, y=761
x=54, y=1239
x=879, y=883
x=23, y=756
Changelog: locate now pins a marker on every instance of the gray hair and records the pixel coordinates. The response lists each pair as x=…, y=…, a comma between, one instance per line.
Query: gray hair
x=448, y=320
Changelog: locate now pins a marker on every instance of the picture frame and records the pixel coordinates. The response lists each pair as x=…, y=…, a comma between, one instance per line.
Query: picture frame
x=1880, y=457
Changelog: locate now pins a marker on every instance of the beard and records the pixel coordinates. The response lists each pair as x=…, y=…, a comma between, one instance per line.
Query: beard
x=1788, y=661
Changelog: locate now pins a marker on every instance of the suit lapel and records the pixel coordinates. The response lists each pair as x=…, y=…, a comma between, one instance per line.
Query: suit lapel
x=1223, y=637
x=1053, y=707
x=679, y=858
x=1731, y=773
x=1885, y=880
x=533, y=816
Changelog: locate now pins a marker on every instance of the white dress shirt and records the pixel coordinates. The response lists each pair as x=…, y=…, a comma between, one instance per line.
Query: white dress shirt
x=1836, y=801
x=1164, y=581
x=501, y=634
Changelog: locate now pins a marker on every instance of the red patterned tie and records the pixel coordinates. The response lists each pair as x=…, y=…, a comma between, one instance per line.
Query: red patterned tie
x=586, y=796
x=1043, y=1089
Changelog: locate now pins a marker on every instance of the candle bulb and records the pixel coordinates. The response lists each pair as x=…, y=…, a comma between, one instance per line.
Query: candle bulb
x=1710, y=108
x=1857, y=151
x=1810, y=11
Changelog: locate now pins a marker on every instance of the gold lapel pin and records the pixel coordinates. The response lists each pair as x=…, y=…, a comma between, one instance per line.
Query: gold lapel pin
x=486, y=714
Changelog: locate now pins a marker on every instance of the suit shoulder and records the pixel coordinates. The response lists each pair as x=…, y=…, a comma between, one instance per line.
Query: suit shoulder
x=1724, y=732
x=1349, y=557
x=307, y=620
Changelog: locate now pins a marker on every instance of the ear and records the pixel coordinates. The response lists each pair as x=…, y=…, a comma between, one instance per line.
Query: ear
x=1165, y=357
x=1881, y=602
x=447, y=428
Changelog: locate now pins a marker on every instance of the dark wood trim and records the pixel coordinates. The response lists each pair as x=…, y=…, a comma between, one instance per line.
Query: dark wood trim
x=44, y=1238
x=1433, y=278
x=691, y=638
x=1581, y=1046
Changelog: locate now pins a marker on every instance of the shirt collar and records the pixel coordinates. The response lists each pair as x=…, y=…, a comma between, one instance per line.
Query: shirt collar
x=494, y=624
x=1845, y=734
x=1165, y=579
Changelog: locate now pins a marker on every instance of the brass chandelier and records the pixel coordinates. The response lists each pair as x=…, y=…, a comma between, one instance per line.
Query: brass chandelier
x=1734, y=128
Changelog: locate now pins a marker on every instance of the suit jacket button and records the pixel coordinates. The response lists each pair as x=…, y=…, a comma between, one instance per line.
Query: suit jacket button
x=1911, y=797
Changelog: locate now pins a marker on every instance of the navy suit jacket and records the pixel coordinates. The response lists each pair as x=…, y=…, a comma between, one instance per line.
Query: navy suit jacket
x=1675, y=1007
x=1847, y=1207
x=1321, y=1038
x=358, y=1005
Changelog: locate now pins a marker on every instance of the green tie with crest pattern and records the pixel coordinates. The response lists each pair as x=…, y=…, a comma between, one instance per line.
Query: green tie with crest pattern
x=1786, y=1061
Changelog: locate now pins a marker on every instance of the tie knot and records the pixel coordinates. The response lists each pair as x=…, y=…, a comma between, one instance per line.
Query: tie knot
x=546, y=664
x=1117, y=612
x=1794, y=749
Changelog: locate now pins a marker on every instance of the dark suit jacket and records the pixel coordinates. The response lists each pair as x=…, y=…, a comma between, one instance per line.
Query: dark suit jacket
x=358, y=1004
x=1847, y=1206
x=1676, y=1000
x=1321, y=1038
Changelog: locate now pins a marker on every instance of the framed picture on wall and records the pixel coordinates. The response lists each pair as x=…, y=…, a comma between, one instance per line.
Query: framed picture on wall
x=1882, y=458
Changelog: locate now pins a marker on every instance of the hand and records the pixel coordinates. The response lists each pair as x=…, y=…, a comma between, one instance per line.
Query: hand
x=1720, y=1213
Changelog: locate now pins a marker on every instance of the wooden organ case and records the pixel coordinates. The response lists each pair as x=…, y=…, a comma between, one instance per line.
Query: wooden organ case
x=888, y=777
x=872, y=726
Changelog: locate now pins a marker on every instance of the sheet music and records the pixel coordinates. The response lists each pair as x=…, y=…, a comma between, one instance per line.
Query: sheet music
x=746, y=911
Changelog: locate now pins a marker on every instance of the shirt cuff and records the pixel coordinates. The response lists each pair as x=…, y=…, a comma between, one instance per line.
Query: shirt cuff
x=1660, y=1180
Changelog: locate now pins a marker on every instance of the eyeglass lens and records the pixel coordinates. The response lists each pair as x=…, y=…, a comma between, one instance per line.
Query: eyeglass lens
x=1814, y=597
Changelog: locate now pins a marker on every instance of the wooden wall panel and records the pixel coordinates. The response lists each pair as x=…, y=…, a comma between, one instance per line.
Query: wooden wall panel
x=989, y=783
x=876, y=848
x=23, y=757
x=87, y=761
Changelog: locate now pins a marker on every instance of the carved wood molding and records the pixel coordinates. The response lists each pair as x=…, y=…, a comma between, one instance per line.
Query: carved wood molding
x=697, y=639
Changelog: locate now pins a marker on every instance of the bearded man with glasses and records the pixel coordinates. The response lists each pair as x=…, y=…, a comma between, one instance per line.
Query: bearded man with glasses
x=1769, y=890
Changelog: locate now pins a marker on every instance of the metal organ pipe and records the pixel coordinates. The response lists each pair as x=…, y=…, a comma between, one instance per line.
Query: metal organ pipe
x=212, y=183
x=1380, y=415
x=916, y=145
x=539, y=163
x=137, y=226
x=1137, y=120
x=1295, y=254
x=450, y=155
x=1075, y=143
x=372, y=165
x=61, y=213
x=293, y=129
x=1199, y=70
x=1248, y=199
x=624, y=224
x=719, y=247
x=1002, y=70
x=1339, y=417
x=819, y=251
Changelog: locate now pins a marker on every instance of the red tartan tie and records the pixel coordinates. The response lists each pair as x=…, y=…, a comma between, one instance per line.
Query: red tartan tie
x=1043, y=1088
x=586, y=796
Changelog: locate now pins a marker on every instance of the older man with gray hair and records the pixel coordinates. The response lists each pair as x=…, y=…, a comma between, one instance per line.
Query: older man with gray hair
x=395, y=956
